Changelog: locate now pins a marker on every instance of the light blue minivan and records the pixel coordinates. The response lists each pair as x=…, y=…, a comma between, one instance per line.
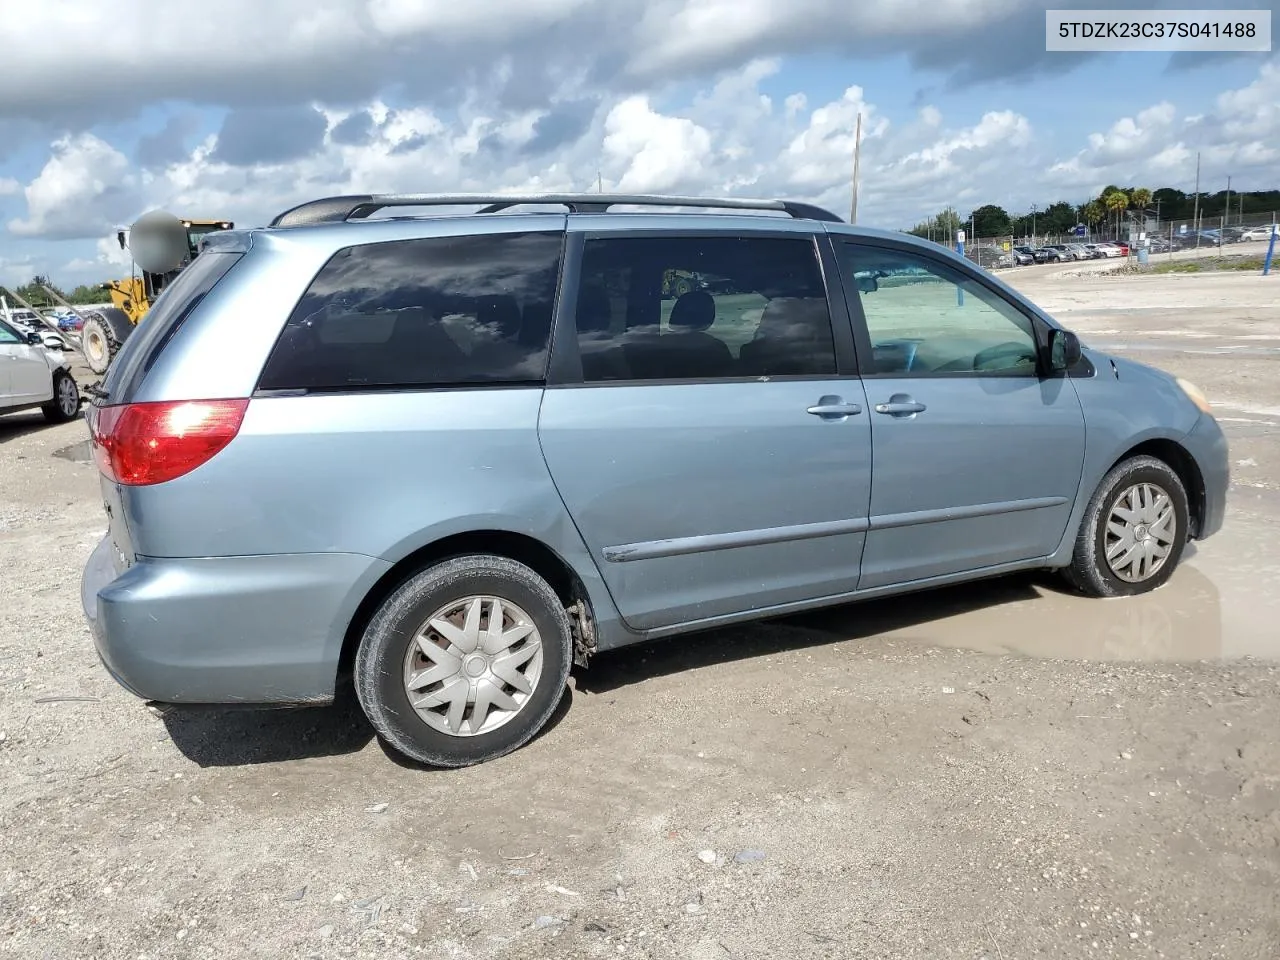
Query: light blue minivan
x=445, y=456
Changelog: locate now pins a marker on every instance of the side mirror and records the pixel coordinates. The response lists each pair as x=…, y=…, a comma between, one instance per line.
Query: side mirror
x=868, y=284
x=34, y=338
x=1064, y=349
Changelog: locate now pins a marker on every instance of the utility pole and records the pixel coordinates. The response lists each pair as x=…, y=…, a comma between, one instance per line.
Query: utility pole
x=1227, y=209
x=599, y=182
x=1195, y=214
x=857, y=157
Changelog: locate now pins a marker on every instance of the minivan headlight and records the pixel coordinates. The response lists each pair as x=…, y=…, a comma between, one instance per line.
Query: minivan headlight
x=1197, y=397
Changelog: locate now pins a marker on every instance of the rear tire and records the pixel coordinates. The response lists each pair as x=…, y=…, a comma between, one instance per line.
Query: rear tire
x=447, y=685
x=1133, y=532
x=66, y=399
x=98, y=341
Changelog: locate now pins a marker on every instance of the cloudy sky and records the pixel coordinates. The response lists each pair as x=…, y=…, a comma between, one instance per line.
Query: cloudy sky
x=241, y=108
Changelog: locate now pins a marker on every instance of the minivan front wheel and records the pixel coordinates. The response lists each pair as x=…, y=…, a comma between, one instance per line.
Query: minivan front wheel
x=465, y=662
x=1133, y=532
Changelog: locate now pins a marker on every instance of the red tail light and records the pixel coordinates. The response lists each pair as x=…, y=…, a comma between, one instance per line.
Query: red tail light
x=139, y=444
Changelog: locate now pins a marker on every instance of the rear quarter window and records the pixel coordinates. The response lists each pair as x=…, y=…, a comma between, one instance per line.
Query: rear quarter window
x=175, y=303
x=429, y=312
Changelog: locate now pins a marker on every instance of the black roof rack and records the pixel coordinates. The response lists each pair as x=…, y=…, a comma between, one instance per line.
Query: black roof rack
x=359, y=206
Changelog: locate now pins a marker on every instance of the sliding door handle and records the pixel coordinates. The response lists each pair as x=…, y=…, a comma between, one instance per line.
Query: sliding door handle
x=834, y=408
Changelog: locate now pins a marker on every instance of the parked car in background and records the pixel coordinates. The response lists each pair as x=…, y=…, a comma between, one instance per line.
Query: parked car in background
x=29, y=322
x=67, y=321
x=1078, y=251
x=1259, y=233
x=1024, y=256
x=1050, y=255
x=1064, y=249
x=33, y=376
x=438, y=460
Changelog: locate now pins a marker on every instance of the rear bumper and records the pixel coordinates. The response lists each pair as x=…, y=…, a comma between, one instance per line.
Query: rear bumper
x=230, y=630
x=1208, y=445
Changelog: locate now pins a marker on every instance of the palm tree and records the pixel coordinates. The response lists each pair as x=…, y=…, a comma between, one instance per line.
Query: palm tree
x=1141, y=199
x=1117, y=201
x=1094, y=212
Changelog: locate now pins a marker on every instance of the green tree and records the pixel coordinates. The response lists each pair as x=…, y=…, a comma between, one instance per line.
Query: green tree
x=1141, y=198
x=1117, y=202
x=87, y=293
x=941, y=227
x=1094, y=213
x=1057, y=218
x=990, y=221
x=33, y=291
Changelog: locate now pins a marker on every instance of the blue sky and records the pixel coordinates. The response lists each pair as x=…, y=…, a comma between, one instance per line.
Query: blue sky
x=287, y=101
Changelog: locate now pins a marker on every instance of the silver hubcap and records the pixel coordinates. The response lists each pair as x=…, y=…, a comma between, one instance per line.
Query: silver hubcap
x=473, y=665
x=68, y=396
x=1141, y=532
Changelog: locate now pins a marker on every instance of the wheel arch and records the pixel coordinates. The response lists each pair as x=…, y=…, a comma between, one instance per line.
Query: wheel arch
x=520, y=547
x=1182, y=463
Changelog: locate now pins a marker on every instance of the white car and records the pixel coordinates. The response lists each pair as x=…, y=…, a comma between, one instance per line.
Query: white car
x=1260, y=233
x=27, y=322
x=33, y=376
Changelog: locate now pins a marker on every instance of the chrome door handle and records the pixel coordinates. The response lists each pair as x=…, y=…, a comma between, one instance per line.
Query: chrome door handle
x=900, y=405
x=834, y=408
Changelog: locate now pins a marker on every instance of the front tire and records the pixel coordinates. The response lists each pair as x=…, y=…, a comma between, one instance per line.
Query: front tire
x=1133, y=532
x=465, y=662
x=66, y=399
x=98, y=342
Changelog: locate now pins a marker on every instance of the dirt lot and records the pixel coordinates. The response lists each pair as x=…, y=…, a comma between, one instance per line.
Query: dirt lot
x=999, y=771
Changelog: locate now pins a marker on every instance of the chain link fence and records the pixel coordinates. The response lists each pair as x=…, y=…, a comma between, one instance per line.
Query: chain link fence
x=1210, y=234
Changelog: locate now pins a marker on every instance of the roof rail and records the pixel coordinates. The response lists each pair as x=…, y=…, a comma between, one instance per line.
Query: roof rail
x=359, y=206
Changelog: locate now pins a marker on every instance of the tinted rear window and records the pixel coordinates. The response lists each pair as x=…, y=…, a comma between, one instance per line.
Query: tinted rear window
x=436, y=311
x=171, y=308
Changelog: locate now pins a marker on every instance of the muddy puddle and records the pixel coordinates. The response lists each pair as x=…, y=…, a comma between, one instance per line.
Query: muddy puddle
x=1223, y=602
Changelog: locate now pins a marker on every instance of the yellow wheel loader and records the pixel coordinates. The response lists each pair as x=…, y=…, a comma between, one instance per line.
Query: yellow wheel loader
x=161, y=246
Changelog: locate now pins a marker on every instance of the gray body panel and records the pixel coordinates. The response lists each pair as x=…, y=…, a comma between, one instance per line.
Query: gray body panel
x=986, y=474
x=1121, y=412
x=676, y=506
x=266, y=629
x=688, y=492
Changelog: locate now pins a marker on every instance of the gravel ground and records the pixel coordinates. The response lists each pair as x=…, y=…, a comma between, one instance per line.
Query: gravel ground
x=997, y=771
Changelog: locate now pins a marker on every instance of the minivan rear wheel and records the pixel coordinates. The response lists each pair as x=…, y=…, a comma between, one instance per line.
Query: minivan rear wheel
x=1133, y=532
x=465, y=662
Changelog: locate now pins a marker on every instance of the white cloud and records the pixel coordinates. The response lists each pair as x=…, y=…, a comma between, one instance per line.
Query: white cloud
x=658, y=153
x=1156, y=145
x=82, y=185
x=294, y=51
x=727, y=138
x=683, y=34
x=9, y=186
x=16, y=272
x=457, y=20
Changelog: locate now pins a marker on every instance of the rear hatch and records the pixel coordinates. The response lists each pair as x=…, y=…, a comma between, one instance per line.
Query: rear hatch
x=110, y=405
